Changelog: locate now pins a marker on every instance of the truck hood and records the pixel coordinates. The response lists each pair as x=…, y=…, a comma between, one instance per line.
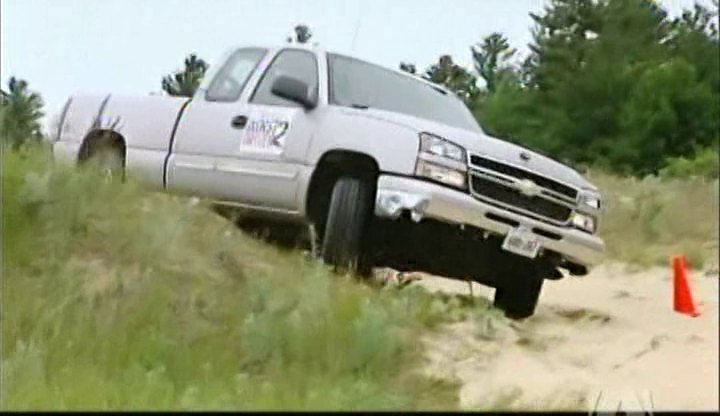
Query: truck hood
x=481, y=143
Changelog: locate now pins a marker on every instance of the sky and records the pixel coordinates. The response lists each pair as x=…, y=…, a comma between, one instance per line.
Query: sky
x=62, y=47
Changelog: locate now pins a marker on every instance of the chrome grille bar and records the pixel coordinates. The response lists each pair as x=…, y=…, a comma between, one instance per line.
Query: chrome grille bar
x=527, y=193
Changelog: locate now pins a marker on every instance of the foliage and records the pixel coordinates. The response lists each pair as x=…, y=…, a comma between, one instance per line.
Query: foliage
x=668, y=114
x=408, y=67
x=20, y=114
x=185, y=82
x=501, y=113
x=611, y=83
x=454, y=77
x=704, y=164
x=301, y=34
x=114, y=297
x=491, y=59
x=648, y=220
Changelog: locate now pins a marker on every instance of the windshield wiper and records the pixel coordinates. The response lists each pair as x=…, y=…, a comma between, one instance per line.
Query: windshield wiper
x=360, y=106
x=440, y=90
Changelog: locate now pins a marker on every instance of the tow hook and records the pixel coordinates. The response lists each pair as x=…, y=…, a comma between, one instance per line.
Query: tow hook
x=391, y=204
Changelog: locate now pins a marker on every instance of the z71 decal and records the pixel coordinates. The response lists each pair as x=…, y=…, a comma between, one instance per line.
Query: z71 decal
x=265, y=134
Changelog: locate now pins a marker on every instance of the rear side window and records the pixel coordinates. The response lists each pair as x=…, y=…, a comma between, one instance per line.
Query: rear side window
x=290, y=62
x=230, y=81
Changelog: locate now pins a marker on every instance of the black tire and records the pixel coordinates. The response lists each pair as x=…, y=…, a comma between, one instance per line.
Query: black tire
x=347, y=223
x=109, y=160
x=517, y=295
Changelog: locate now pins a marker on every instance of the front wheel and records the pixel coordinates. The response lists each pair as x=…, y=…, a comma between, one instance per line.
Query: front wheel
x=517, y=295
x=348, y=218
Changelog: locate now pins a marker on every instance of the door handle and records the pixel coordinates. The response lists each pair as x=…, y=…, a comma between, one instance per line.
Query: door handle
x=239, y=122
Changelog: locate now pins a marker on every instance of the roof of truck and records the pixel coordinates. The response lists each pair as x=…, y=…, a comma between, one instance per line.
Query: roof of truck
x=321, y=51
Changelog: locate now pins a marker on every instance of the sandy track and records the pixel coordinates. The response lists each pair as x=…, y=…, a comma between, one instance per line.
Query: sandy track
x=603, y=338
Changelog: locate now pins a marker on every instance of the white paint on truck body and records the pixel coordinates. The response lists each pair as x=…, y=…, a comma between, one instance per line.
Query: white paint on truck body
x=80, y=117
x=261, y=153
x=146, y=124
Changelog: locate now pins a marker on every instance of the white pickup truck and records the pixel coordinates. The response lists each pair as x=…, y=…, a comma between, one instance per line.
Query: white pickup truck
x=388, y=169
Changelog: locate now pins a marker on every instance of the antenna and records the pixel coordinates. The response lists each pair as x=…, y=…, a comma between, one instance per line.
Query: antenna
x=357, y=28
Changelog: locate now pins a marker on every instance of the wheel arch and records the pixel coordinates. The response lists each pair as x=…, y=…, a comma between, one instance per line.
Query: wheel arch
x=332, y=165
x=102, y=137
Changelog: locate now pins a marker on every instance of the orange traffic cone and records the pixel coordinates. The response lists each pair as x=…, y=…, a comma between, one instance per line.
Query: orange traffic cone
x=683, y=298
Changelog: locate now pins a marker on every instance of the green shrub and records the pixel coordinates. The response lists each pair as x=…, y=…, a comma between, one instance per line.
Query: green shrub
x=118, y=298
x=648, y=220
x=704, y=163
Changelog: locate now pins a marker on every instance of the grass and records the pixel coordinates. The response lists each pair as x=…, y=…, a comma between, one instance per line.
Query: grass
x=649, y=220
x=119, y=298
x=115, y=297
x=513, y=400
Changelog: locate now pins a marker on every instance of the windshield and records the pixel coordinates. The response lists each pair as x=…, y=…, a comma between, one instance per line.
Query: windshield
x=355, y=83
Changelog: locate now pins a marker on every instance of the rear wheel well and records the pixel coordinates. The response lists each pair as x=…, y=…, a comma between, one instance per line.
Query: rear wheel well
x=101, y=138
x=333, y=165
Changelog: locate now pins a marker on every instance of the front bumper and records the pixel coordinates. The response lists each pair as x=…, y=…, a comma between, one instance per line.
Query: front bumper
x=396, y=194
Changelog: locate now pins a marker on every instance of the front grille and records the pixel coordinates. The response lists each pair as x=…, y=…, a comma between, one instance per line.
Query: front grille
x=509, y=170
x=494, y=191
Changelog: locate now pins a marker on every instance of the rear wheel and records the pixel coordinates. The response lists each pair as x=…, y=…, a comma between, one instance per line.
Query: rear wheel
x=109, y=160
x=348, y=218
x=518, y=292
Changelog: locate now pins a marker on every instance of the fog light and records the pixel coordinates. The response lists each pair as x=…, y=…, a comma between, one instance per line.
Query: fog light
x=583, y=222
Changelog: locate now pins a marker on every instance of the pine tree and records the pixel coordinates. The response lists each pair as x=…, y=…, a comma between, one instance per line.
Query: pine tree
x=491, y=59
x=20, y=114
x=454, y=77
x=184, y=83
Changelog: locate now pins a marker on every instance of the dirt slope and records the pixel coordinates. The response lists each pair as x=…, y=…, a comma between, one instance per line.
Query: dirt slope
x=594, y=341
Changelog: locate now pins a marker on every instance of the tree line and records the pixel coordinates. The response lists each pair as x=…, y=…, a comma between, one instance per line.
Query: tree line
x=616, y=84
x=611, y=83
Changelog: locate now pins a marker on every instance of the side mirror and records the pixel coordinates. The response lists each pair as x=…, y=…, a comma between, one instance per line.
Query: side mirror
x=294, y=90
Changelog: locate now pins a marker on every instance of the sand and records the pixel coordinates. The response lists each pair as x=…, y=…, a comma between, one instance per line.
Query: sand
x=595, y=341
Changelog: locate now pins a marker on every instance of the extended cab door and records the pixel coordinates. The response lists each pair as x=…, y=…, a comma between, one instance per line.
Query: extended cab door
x=239, y=142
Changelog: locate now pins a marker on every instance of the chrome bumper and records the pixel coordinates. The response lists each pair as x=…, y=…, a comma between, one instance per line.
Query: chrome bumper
x=423, y=199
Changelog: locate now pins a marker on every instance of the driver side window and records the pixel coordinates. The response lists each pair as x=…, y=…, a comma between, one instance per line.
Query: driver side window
x=290, y=62
x=230, y=81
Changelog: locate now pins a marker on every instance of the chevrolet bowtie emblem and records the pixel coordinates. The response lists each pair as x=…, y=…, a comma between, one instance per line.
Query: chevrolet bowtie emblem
x=527, y=187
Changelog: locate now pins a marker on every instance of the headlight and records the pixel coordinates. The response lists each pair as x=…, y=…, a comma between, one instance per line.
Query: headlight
x=584, y=222
x=590, y=199
x=442, y=161
x=438, y=146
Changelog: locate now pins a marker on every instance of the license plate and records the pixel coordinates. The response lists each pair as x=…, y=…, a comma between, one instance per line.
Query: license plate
x=522, y=242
